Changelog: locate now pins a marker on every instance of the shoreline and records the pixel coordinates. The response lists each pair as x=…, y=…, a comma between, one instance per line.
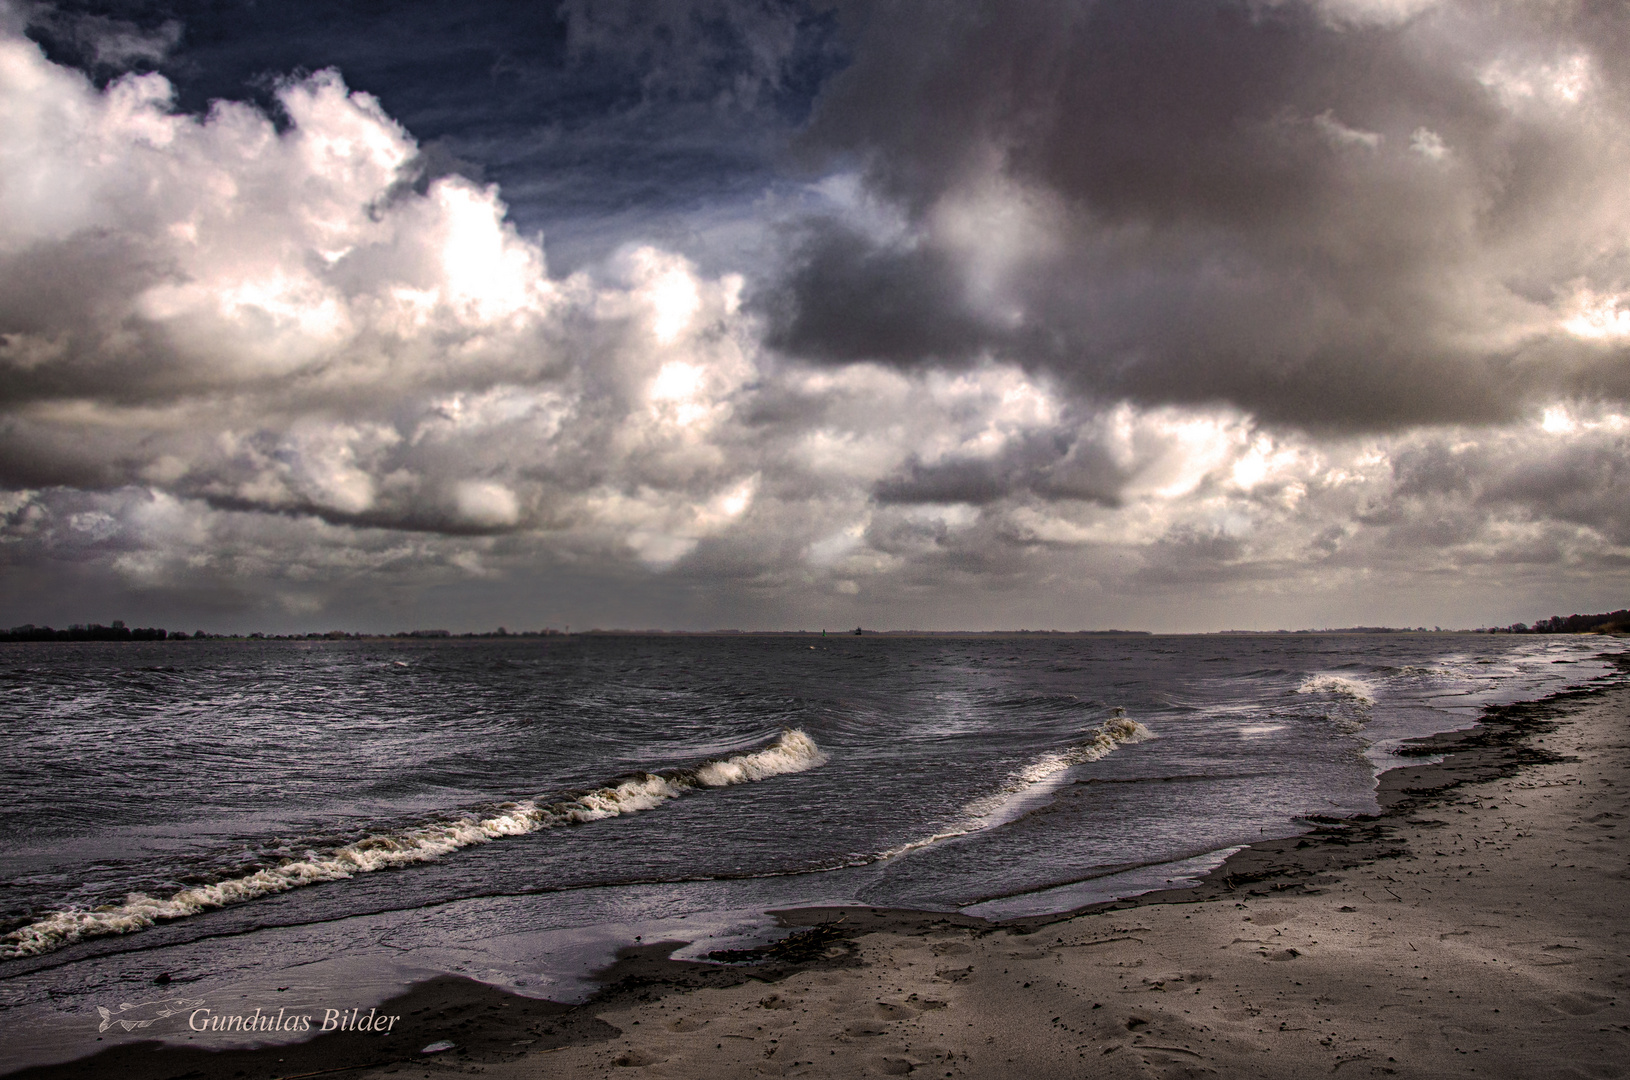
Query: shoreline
x=843, y=951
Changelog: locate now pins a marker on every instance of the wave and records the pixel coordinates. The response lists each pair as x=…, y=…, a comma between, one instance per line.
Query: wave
x=1340, y=686
x=1414, y=671
x=1036, y=701
x=793, y=752
x=1105, y=741
x=1001, y=805
x=1423, y=671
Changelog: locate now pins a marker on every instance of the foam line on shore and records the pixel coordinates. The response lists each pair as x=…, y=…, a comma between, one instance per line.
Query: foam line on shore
x=793, y=752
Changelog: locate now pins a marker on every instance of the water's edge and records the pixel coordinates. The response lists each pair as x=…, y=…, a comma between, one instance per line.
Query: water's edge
x=460, y=1010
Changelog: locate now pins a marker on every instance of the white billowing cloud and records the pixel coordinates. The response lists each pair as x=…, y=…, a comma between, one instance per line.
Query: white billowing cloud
x=329, y=464
x=1598, y=317
x=260, y=254
x=1373, y=12
x=1428, y=144
x=1170, y=453
x=674, y=300
x=1339, y=134
x=482, y=502
x=661, y=528
x=1558, y=81
x=285, y=324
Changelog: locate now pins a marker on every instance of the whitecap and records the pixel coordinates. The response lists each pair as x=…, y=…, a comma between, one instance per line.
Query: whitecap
x=793, y=752
x=1339, y=686
x=1031, y=780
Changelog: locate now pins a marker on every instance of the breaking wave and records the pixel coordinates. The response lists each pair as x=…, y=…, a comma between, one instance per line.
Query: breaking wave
x=793, y=752
x=1004, y=804
x=1340, y=686
x=1348, y=699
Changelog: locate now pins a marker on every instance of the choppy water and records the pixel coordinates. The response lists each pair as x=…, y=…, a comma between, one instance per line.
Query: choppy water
x=243, y=808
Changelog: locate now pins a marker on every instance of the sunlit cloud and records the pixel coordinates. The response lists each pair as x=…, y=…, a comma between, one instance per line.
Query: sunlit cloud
x=1597, y=317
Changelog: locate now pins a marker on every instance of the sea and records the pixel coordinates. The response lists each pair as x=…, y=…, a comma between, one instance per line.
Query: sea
x=278, y=823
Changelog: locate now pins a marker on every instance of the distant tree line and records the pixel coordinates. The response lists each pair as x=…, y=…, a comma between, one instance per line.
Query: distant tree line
x=1605, y=623
x=93, y=632
x=1608, y=622
x=120, y=632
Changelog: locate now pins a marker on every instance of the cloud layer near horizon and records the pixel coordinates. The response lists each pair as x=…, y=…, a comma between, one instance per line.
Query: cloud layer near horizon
x=1238, y=315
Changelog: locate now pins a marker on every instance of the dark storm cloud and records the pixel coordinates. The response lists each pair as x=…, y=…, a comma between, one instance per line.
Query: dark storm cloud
x=1053, y=464
x=64, y=327
x=846, y=299
x=1322, y=216
x=1587, y=485
x=1582, y=482
x=107, y=44
x=1189, y=557
x=34, y=458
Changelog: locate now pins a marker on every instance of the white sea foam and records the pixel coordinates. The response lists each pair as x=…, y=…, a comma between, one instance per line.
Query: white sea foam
x=1341, y=686
x=1003, y=804
x=793, y=752
x=1104, y=741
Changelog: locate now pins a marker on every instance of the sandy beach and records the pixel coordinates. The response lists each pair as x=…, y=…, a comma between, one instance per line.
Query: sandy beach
x=1475, y=927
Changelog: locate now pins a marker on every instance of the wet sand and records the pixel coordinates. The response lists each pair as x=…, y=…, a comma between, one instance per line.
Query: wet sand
x=1476, y=927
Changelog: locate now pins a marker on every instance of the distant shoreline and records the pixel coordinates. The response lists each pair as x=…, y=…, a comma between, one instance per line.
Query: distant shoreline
x=103, y=635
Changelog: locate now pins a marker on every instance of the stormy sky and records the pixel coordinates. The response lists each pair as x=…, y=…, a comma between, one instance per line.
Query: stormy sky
x=797, y=313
